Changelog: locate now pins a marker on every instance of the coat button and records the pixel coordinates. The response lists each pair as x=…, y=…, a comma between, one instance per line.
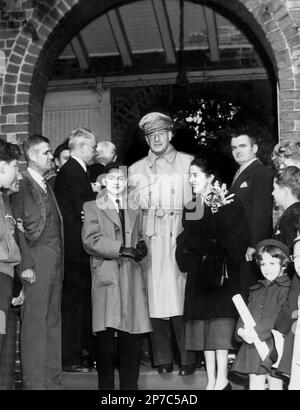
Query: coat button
x=172, y=213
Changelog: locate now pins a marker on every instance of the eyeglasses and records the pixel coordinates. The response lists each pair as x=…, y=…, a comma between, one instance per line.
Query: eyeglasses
x=294, y=257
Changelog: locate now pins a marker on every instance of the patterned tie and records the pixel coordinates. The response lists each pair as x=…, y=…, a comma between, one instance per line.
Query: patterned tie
x=44, y=185
x=122, y=218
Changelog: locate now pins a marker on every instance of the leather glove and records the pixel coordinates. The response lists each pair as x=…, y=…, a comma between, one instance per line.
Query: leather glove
x=142, y=250
x=128, y=252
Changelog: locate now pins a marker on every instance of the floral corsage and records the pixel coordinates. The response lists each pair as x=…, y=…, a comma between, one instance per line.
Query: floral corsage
x=217, y=197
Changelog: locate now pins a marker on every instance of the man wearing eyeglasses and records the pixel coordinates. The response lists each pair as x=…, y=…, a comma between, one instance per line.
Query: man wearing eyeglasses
x=72, y=188
x=159, y=184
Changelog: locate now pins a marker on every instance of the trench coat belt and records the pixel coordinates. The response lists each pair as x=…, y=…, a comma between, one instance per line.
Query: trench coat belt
x=154, y=213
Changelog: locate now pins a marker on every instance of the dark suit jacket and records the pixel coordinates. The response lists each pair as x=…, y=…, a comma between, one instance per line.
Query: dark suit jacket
x=72, y=188
x=288, y=225
x=28, y=205
x=94, y=171
x=254, y=188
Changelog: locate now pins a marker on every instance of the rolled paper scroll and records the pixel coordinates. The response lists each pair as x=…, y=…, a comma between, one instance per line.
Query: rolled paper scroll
x=261, y=347
x=279, y=344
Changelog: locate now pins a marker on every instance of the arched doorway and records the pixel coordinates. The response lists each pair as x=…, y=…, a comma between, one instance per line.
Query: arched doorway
x=55, y=22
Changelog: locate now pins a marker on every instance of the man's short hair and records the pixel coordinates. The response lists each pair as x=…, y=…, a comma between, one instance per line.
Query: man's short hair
x=77, y=136
x=290, y=177
x=31, y=142
x=245, y=130
x=106, y=150
x=60, y=148
x=9, y=152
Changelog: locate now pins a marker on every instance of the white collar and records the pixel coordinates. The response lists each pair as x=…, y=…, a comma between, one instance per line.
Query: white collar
x=39, y=179
x=246, y=165
x=79, y=160
x=114, y=201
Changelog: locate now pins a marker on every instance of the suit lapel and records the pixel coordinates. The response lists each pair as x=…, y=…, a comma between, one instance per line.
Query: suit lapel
x=35, y=189
x=78, y=169
x=244, y=174
x=104, y=203
x=50, y=192
x=36, y=193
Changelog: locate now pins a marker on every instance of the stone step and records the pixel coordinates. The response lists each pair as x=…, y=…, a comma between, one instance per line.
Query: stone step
x=149, y=380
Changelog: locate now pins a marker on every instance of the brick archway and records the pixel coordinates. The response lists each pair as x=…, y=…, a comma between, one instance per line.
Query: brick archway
x=29, y=64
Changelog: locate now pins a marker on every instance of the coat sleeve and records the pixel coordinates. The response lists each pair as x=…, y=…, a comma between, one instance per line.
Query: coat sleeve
x=261, y=216
x=288, y=229
x=264, y=328
x=141, y=235
x=95, y=241
x=192, y=242
x=27, y=261
x=231, y=231
x=18, y=208
x=286, y=315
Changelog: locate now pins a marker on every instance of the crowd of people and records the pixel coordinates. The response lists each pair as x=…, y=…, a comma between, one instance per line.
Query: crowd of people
x=99, y=257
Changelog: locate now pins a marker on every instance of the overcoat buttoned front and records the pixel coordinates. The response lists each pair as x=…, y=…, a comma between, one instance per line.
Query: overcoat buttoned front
x=265, y=301
x=160, y=186
x=204, y=231
x=119, y=297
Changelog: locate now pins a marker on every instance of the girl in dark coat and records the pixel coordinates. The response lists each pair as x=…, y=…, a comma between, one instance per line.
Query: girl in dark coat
x=210, y=249
x=265, y=301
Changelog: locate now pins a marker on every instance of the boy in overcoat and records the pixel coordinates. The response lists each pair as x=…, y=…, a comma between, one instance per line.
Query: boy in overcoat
x=111, y=235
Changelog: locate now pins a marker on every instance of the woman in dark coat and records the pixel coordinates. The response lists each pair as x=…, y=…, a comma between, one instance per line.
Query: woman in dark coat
x=210, y=249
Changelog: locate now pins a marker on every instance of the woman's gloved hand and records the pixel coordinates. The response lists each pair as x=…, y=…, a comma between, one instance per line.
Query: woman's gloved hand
x=141, y=250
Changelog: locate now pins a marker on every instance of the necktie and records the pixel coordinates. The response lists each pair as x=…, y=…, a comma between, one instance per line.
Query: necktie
x=236, y=175
x=122, y=218
x=44, y=185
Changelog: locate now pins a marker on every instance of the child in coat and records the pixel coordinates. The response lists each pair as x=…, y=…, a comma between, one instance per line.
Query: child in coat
x=265, y=301
x=288, y=325
x=111, y=235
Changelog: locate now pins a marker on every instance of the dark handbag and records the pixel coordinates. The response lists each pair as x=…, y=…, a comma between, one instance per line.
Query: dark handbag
x=212, y=270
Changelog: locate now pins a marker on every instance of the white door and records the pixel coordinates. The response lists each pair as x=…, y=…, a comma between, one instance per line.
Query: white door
x=66, y=110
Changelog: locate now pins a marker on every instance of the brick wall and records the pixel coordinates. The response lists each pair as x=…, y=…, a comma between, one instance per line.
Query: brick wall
x=34, y=32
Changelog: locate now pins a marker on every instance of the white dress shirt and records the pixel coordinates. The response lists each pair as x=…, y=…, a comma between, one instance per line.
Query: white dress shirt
x=39, y=179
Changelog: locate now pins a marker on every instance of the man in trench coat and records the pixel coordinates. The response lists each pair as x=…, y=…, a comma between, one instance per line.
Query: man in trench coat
x=159, y=184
